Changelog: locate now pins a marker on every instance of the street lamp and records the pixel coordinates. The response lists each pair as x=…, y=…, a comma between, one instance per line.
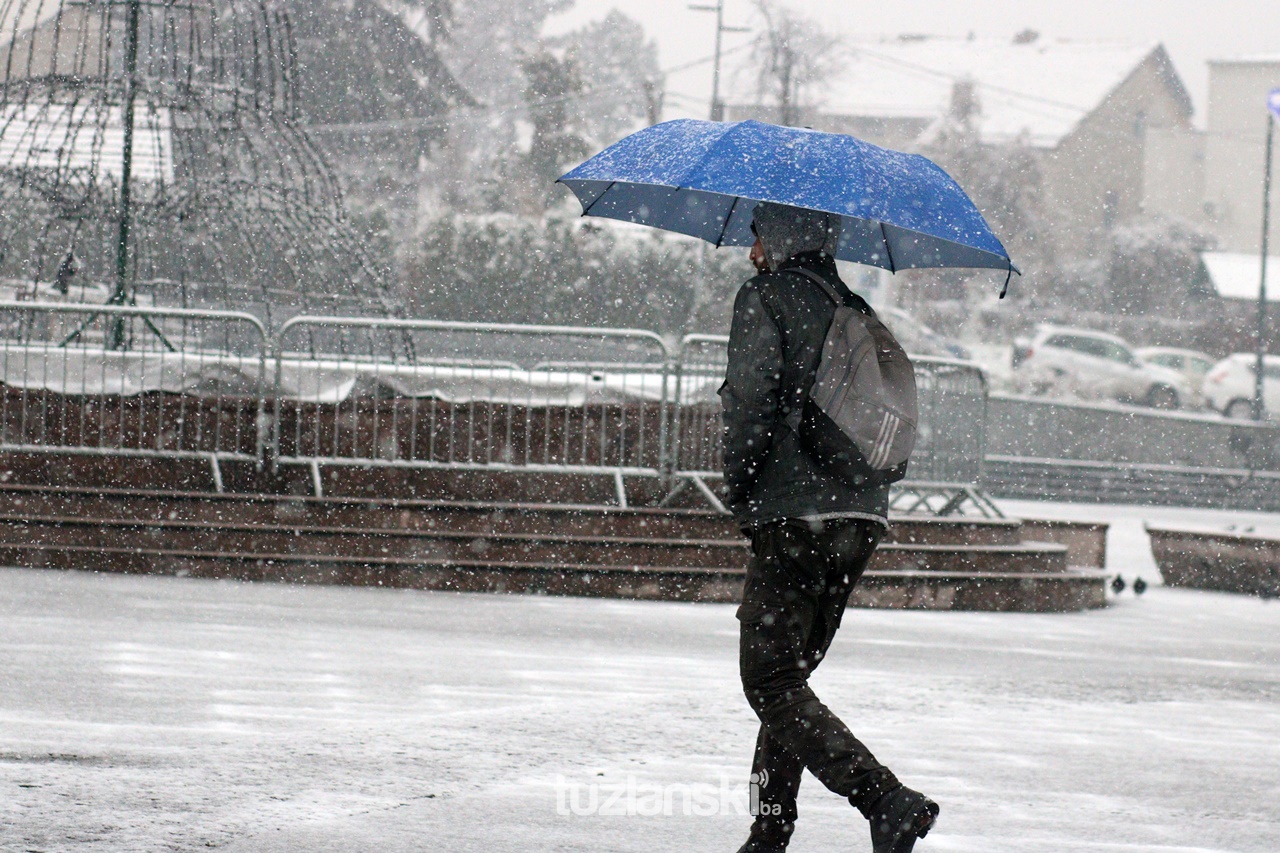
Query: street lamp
x=1273, y=107
x=717, y=108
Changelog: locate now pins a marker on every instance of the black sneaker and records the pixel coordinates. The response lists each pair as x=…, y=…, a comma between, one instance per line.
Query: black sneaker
x=768, y=837
x=898, y=818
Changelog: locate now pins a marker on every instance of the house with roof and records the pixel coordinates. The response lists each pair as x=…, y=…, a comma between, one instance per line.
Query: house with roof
x=1237, y=276
x=1108, y=123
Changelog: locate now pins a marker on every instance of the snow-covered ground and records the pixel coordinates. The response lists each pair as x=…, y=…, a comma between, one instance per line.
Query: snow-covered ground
x=141, y=714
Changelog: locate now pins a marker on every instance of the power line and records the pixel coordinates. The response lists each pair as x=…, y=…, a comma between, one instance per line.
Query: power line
x=425, y=122
x=956, y=78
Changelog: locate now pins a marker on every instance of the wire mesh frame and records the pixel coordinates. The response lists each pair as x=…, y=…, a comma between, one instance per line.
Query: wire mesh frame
x=156, y=139
x=473, y=396
x=200, y=395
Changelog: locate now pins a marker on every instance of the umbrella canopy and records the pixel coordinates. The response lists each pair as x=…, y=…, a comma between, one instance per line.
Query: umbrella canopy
x=701, y=178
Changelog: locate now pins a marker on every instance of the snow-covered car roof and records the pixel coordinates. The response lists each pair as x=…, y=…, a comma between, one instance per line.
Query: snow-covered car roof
x=1046, y=329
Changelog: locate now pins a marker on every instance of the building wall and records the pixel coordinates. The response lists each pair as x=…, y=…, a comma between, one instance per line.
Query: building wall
x=1173, y=174
x=70, y=44
x=1096, y=177
x=1234, y=149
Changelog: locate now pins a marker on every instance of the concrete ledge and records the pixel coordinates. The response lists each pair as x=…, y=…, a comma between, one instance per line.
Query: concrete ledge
x=1215, y=560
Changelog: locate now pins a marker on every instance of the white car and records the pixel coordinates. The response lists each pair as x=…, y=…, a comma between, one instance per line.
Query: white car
x=1094, y=365
x=918, y=339
x=1229, y=386
x=1190, y=363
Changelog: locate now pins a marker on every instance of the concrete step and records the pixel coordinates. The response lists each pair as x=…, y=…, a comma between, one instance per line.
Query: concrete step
x=460, y=516
x=366, y=513
x=1061, y=592
x=1025, y=557
x=501, y=548
x=666, y=583
x=410, y=545
x=1041, y=592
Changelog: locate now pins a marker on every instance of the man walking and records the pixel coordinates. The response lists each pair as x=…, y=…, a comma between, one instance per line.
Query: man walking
x=811, y=537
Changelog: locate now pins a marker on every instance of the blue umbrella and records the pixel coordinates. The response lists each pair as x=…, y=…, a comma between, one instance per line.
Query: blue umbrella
x=701, y=178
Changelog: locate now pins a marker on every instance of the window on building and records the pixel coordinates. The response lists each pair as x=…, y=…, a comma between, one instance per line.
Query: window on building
x=1110, y=208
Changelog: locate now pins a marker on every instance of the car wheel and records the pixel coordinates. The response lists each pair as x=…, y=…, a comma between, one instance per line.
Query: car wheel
x=1240, y=410
x=1162, y=397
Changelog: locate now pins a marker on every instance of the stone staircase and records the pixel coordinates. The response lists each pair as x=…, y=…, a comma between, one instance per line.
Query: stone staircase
x=516, y=546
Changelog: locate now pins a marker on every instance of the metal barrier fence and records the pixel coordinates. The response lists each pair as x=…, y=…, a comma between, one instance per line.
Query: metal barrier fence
x=120, y=380
x=952, y=432
x=698, y=429
x=1037, y=428
x=378, y=392
x=436, y=394
x=1109, y=452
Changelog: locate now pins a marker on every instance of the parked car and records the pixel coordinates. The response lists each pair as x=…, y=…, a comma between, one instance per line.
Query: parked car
x=1229, y=385
x=1190, y=363
x=918, y=339
x=1091, y=364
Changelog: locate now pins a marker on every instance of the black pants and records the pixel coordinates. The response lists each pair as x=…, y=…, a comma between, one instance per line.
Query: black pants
x=798, y=584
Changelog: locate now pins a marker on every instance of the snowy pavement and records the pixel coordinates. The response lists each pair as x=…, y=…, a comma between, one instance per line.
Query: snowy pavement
x=142, y=714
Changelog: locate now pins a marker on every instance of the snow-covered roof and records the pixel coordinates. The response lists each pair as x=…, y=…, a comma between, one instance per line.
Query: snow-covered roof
x=1236, y=275
x=1040, y=89
x=85, y=138
x=1248, y=59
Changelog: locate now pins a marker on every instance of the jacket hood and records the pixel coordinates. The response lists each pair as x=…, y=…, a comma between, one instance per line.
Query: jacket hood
x=787, y=231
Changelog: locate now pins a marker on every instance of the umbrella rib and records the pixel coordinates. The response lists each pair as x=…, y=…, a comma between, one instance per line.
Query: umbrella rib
x=884, y=235
x=586, y=210
x=732, y=208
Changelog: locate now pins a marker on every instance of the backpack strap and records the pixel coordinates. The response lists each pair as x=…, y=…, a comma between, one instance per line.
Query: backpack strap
x=793, y=419
x=833, y=294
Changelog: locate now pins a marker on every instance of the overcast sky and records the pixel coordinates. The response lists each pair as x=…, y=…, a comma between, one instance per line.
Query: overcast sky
x=1194, y=31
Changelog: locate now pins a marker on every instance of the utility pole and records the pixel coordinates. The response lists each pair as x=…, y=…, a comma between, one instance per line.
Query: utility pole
x=717, y=107
x=1273, y=106
x=115, y=339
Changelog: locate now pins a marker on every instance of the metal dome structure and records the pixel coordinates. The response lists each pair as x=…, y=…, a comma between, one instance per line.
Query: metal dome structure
x=150, y=152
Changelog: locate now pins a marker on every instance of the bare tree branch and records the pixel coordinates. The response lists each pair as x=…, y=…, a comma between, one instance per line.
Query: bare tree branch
x=794, y=56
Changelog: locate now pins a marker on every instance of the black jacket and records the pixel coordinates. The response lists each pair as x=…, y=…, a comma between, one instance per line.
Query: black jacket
x=780, y=322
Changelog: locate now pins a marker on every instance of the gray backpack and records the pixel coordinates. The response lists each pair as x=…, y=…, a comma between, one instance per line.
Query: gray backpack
x=858, y=419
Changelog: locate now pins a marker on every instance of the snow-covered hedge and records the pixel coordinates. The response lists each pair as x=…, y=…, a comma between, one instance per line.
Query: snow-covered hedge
x=593, y=272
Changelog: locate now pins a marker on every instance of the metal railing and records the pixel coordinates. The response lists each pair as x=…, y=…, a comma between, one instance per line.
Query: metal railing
x=952, y=431
x=1114, y=453
x=409, y=394
x=698, y=424
x=123, y=380
x=438, y=394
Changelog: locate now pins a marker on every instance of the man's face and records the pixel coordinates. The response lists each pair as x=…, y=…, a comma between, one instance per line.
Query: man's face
x=757, y=257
